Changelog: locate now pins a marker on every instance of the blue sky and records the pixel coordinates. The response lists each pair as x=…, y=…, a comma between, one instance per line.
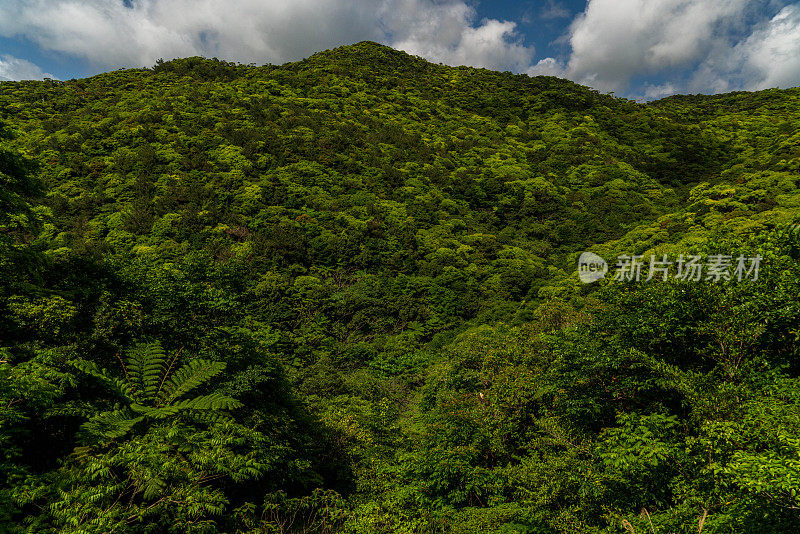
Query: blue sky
x=641, y=49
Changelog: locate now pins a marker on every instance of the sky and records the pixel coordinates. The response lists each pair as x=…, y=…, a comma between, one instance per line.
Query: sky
x=639, y=49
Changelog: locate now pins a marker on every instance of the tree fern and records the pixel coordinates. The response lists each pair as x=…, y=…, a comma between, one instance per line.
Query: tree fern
x=151, y=392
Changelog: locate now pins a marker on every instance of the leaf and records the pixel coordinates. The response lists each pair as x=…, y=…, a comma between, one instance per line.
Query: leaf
x=145, y=364
x=110, y=425
x=214, y=401
x=188, y=377
x=153, y=488
x=120, y=387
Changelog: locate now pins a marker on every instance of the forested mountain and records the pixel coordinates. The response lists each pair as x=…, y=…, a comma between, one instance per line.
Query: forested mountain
x=341, y=295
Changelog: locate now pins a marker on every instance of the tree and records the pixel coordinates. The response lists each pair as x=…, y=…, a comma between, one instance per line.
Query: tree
x=152, y=392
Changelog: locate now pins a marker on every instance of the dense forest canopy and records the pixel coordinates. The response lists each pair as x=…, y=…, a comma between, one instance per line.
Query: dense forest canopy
x=341, y=295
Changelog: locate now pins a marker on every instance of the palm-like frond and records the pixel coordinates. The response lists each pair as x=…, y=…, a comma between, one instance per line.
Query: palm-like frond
x=145, y=365
x=188, y=377
x=155, y=412
x=120, y=387
x=214, y=401
x=110, y=425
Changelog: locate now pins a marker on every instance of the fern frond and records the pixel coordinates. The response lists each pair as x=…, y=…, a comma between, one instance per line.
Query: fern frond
x=135, y=358
x=188, y=377
x=120, y=387
x=156, y=361
x=206, y=403
x=155, y=412
x=214, y=401
x=110, y=425
x=145, y=363
x=165, y=374
x=90, y=368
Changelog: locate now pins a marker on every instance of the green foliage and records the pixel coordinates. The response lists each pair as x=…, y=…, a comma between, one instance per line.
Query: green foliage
x=154, y=391
x=354, y=276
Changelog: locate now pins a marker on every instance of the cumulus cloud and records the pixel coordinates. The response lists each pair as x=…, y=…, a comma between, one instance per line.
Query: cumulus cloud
x=446, y=32
x=548, y=67
x=656, y=91
x=109, y=33
x=615, y=40
x=702, y=45
x=12, y=68
x=137, y=32
x=768, y=57
x=773, y=53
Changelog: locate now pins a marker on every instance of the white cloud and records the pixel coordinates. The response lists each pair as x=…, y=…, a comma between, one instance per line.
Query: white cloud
x=656, y=91
x=768, y=57
x=446, y=33
x=554, y=10
x=548, y=67
x=774, y=52
x=615, y=40
x=109, y=34
x=12, y=68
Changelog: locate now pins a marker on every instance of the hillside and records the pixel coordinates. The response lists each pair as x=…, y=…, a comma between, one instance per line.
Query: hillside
x=340, y=295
